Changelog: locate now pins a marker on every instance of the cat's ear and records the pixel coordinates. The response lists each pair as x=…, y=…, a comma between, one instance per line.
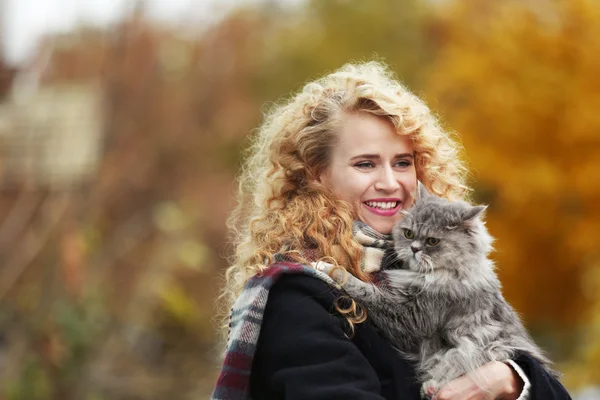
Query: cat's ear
x=422, y=191
x=473, y=212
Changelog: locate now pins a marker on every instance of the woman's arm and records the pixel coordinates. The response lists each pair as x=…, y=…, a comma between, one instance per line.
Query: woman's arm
x=303, y=352
x=499, y=382
x=505, y=383
x=544, y=386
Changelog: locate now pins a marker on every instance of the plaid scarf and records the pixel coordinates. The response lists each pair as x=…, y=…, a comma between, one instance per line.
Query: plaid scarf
x=373, y=245
x=247, y=312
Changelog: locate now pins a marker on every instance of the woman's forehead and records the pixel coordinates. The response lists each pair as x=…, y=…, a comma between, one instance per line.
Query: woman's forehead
x=367, y=134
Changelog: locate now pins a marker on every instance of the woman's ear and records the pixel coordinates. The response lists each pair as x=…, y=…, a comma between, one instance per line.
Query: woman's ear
x=323, y=177
x=320, y=178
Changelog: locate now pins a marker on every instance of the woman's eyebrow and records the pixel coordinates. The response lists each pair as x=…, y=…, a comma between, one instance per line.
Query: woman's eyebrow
x=377, y=156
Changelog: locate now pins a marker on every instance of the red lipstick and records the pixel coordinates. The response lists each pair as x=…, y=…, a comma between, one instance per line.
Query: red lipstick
x=388, y=212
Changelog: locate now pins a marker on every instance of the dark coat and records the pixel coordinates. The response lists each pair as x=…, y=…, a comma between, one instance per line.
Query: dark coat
x=303, y=353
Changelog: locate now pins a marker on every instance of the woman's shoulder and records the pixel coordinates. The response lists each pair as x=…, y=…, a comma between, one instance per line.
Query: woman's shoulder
x=300, y=298
x=293, y=286
x=285, y=282
x=302, y=341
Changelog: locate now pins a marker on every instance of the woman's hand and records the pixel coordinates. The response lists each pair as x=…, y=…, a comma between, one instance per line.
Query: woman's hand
x=498, y=380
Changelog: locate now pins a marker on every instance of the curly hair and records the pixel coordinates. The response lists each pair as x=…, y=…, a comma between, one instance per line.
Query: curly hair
x=283, y=207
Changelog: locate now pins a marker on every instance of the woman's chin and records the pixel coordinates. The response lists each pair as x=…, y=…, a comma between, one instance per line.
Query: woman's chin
x=383, y=227
x=383, y=224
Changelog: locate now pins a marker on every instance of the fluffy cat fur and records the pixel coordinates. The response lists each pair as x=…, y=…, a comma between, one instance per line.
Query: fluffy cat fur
x=440, y=303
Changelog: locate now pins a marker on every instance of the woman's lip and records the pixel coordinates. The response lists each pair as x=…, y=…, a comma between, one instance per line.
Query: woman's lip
x=386, y=199
x=385, y=213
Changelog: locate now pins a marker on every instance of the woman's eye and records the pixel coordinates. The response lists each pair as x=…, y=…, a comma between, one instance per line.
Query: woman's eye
x=364, y=164
x=432, y=241
x=409, y=234
x=403, y=163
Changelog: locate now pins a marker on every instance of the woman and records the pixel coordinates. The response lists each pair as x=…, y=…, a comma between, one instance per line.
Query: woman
x=327, y=178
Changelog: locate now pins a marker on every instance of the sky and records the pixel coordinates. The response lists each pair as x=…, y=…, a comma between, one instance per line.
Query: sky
x=24, y=21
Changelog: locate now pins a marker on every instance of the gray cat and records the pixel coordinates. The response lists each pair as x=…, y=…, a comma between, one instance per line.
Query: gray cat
x=441, y=305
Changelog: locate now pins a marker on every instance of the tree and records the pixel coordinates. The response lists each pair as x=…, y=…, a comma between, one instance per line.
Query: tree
x=519, y=81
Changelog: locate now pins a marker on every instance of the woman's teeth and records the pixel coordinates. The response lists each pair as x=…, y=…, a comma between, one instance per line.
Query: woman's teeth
x=383, y=205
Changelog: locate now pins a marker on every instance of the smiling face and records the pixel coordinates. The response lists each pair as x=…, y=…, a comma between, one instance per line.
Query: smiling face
x=372, y=168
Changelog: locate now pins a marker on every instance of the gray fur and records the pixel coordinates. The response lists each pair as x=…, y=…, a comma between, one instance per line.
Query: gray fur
x=442, y=307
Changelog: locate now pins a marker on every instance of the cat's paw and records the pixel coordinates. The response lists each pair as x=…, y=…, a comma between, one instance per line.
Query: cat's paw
x=337, y=274
x=429, y=389
x=323, y=267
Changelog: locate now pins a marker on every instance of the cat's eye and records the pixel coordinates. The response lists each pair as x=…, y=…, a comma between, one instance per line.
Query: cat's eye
x=409, y=234
x=432, y=241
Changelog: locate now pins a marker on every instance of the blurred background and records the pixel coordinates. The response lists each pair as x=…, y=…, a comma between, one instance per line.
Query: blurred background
x=123, y=123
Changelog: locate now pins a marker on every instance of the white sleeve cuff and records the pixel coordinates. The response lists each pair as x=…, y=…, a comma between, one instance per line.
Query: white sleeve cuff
x=526, y=384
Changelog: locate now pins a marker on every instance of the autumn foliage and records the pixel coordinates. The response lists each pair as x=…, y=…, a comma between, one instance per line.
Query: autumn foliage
x=108, y=284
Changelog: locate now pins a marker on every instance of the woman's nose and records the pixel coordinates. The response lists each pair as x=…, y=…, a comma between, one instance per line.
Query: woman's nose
x=387, y=180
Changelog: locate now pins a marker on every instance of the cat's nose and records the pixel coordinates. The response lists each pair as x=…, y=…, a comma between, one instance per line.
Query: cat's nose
x=415, y=247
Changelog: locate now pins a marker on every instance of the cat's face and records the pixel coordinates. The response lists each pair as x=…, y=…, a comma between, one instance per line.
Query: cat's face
x=438, y=234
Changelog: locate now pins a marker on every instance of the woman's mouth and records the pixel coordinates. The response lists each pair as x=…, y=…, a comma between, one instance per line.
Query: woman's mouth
x=383, y=208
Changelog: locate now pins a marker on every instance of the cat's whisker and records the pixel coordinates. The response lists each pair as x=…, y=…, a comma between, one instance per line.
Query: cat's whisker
x=398, y=257
x=429, y=262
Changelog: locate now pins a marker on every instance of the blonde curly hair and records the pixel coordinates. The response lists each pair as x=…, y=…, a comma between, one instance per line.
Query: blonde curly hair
x=283, y=207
